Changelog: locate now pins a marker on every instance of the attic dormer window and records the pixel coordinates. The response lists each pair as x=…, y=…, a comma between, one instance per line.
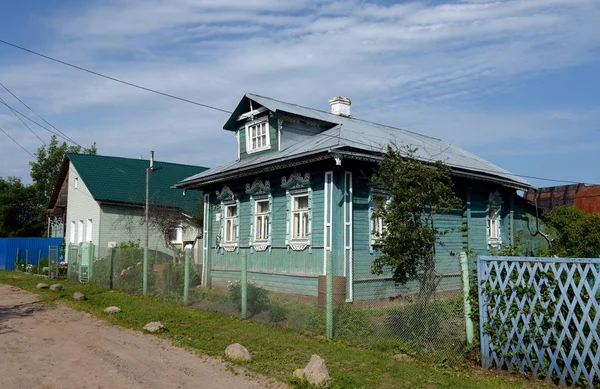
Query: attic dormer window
x=257, y=135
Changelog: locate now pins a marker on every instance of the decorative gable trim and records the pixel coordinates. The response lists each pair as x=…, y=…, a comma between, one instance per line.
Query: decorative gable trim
x=225, y=194
x=258, y=187
x=296, y=181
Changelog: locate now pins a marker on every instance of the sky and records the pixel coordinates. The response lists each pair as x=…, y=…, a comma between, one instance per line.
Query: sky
x=515, y=82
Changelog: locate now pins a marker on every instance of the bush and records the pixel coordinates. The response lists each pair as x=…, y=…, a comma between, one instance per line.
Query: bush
x=258, y=298
x=277, y=313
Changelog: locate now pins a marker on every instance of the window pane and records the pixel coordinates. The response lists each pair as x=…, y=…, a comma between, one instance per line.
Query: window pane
x=300, y=202
x=231, y=211
x=262, y=207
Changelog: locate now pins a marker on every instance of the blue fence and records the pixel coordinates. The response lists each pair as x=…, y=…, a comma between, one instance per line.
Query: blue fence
x=541, y=316
x=25, y=249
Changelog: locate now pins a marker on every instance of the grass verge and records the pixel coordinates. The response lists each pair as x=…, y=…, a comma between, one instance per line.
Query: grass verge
x=277, y=352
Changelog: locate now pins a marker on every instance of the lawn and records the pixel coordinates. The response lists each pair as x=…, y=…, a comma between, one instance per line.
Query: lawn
x=277, y=351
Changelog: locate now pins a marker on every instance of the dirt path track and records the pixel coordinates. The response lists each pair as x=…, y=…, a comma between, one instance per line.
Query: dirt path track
x=63, y=348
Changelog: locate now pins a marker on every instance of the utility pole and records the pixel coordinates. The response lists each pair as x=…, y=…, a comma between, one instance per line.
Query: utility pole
x=148, y=171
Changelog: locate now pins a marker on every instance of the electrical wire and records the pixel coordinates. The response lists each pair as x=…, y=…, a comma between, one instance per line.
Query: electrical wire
x=25, y=124
x=338, y=137
x=112, y=78
x=36, y=114
x=18, y=144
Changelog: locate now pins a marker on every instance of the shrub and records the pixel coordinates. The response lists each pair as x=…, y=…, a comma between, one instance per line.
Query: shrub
x=258, y=298
x=277, y=313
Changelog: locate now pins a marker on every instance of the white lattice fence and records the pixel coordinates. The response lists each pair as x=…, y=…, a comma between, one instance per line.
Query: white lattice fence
x=540, y=316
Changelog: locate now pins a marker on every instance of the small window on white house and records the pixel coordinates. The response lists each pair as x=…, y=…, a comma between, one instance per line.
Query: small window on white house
x=176, y=235
x=261, y=221
x=72, y=232
x=231, y=224
x=88, y=231
x=300, y=219
x=80, y=231
x=76, y=182
x=257, y=136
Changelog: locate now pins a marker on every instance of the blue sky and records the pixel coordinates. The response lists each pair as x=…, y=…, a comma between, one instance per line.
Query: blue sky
x=516, y=82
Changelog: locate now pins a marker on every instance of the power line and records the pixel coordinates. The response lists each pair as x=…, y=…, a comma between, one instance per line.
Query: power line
x=35, y=113
x=14, y=140
x=112, y=78
x=229, y=112
x=25, y=124
x=33, y=121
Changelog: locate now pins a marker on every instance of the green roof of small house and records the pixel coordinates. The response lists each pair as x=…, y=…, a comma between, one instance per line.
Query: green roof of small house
x=123, y=180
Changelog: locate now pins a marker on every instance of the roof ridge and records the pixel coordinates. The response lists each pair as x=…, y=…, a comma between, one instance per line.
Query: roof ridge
x=132, y=159
x=343, y=117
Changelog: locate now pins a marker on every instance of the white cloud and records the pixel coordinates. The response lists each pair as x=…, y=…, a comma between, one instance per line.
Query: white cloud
x=412, y=65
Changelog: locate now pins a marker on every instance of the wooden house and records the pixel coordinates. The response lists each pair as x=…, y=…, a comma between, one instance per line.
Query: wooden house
x=300, y=189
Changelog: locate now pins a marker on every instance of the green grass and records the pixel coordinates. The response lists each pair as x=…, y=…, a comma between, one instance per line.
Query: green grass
x=277, y=351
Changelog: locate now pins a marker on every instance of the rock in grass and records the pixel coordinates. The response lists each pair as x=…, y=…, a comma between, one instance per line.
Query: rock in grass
x=79, y=296
x=315, y=372
x=154, y=326
x=238, y=352
x=112, y=310
x=56, y=287
x=42, y=285
x=403, y=357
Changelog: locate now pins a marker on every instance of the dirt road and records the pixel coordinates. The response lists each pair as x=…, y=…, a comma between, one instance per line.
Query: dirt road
x=63, y=348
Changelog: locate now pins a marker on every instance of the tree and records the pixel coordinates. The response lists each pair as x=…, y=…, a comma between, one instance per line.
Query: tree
x=20, y=214
x=575, y=233
x=45, y=170
x=412, y=194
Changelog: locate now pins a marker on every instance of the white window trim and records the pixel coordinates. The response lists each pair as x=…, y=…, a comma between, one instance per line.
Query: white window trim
x=80, y=231
x=72, y=232
x=230, y=244
x=255, y=223
x=378, y=230
x=494, y=241
x=306, y=238
x=88, y=230
x=249, y=140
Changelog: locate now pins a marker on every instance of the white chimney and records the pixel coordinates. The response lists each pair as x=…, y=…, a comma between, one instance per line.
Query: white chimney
x=340, y=106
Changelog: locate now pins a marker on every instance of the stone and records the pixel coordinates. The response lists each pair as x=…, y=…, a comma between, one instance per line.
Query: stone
x=238, y=352
x=79, y=296
x=112, y=310
x=42, y=285
x=402, y=357
x=315, y=372
x=56, y=287
x=154, y=326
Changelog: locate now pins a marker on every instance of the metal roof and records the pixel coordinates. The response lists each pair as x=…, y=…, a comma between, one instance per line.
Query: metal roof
x=123, y=180
x=349, y=133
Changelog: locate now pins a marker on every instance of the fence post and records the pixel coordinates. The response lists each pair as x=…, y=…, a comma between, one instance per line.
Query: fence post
x=464, y=265
x=244, y=284
x=186, y=279
x=329, y=304
x=90, y=261
x=68, y=260
x=113, y=254
x=27, y=260
x=18, y=259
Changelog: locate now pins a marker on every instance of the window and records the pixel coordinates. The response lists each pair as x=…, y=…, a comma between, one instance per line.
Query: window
x=231, y=224
x=493, y=227
x=300, y=223
x=261, y=220
x=88, y=231
x=72, y=232
x=176, y=235
x=257, y=136
x=76, y=183
x=80, y=231
x=377, y=224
